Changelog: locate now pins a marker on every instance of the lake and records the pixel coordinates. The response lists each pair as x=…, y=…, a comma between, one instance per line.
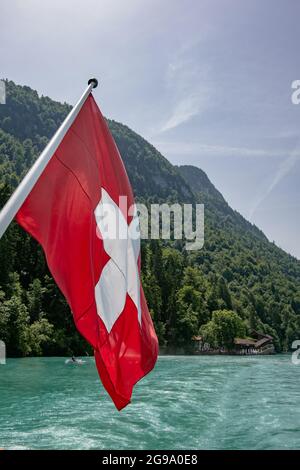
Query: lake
x=187, y=402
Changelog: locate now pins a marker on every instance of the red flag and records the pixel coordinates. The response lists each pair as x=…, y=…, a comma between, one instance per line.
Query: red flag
x=68, y=212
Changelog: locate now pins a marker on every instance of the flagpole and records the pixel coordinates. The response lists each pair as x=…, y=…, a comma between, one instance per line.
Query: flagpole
x=16, y=200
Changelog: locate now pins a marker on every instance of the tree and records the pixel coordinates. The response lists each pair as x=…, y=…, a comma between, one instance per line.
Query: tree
x=35, y=299
x=224, y=326
x=17, y=313
x=224, y=293
x=188, y=308
x=172, y=268
x=38, y=334
x=4, y=319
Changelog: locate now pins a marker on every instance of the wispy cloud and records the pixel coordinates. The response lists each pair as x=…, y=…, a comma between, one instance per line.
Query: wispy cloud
x=183, y=111
x=283, y=170
x=187, y=87
x=200, y=149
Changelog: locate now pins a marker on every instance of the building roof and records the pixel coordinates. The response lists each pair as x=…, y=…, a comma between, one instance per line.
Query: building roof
x=260, y=335
x=263, y=341
x=244, y=342
x=197, y=338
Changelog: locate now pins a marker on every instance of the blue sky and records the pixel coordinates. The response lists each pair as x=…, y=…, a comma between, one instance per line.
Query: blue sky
x=207, y=82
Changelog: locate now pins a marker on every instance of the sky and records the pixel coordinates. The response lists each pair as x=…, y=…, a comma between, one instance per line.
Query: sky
x=208, y=82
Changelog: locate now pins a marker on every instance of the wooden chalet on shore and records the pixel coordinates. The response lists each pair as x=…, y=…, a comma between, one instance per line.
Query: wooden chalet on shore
x=258, y=343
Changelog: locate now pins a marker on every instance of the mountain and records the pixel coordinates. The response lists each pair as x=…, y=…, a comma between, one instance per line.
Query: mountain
x=238, y=272
x=26, y=116
x=215, y=204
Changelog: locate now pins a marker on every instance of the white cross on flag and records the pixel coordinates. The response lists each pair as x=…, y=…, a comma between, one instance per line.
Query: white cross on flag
x=122, y=244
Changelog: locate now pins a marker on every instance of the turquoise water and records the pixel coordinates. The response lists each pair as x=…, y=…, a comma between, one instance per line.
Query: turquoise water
x=186, y=402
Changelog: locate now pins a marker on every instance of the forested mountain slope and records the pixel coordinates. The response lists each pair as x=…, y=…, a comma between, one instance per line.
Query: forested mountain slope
x=238, y=272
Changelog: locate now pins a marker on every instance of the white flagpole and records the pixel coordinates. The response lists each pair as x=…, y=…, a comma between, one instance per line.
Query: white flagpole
x=16, y=200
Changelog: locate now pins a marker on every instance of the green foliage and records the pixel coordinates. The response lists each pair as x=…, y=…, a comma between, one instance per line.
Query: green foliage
x=237, y=282
x=40, y=332
x=221, y=330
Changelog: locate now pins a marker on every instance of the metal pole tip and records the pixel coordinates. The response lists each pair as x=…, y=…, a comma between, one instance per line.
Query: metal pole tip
x=94, y=81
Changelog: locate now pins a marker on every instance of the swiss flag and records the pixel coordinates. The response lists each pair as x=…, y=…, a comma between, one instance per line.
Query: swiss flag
x=70, y=212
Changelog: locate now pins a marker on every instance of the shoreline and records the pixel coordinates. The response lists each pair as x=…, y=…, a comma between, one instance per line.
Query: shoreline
x=169, y=354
